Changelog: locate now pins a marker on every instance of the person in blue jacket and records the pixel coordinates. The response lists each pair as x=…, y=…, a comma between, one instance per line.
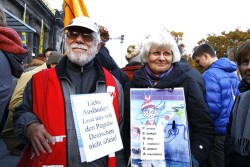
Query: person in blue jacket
x=221, y=86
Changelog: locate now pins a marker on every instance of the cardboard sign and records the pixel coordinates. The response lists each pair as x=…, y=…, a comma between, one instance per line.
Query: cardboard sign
x=96, y=125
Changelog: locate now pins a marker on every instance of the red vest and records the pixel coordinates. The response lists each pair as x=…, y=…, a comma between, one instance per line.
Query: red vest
x=48, y=105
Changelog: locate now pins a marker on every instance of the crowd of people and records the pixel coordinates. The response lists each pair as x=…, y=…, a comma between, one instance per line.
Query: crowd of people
x=41, y=126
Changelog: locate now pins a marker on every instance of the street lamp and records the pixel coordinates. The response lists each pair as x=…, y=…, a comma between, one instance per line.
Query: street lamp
x=122, y=38
x=119, y=37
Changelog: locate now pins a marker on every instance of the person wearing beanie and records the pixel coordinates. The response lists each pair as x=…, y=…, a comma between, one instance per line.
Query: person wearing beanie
x=161, y=70
x=134, y=61
x=133, y=54
x=12, y=55
x=105, y=59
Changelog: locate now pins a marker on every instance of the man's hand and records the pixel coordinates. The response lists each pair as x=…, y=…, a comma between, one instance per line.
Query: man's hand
x=39, y=138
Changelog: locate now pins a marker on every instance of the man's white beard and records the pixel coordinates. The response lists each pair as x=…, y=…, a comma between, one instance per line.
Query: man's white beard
x=80, y=59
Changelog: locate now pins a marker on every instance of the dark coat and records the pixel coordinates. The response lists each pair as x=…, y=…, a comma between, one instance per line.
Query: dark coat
x=200, y=123
x=193, y=73
x=12, y=55
x=10, y=65
x=232, y=158
x=108, y=62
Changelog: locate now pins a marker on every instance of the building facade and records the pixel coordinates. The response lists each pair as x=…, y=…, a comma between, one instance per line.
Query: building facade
x=36, y=11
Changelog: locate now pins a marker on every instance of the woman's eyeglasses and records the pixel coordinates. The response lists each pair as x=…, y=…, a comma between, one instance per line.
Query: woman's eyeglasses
x=74, y=34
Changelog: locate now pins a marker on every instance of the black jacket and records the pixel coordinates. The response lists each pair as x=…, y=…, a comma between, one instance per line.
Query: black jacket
x=200, y=123
x=108, y=62
x=193, y=73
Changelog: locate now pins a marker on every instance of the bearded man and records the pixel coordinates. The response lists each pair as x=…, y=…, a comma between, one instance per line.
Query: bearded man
x=45, y=119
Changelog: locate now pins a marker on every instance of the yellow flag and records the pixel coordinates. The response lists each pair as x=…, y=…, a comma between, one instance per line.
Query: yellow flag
x=41, y=38
x=72, y=9
x=24, y=33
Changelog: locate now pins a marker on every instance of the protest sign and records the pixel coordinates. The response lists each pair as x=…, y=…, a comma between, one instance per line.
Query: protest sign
x=159, y=128
x=96, y=125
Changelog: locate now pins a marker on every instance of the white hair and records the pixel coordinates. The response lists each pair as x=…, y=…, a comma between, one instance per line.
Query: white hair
x=82, y=59
x=163, y=40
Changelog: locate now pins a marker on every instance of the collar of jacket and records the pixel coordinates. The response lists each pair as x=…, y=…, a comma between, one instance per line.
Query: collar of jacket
x=243, y=86
x=62, y=73
x=15, y=62
x=174, y=79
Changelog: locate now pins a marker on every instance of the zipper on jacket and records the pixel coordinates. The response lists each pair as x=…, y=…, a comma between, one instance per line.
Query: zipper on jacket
x=81, y=80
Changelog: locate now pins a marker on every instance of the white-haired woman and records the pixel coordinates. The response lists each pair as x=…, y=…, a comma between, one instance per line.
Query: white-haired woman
x=160, y=55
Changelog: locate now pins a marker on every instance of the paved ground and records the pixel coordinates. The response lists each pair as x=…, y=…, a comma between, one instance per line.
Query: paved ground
x=7, y=160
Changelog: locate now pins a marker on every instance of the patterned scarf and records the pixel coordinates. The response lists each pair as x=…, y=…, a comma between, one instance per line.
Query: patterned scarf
x=153, y=78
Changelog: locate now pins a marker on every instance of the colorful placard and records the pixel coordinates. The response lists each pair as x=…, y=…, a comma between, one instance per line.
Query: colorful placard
x=159, y=128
